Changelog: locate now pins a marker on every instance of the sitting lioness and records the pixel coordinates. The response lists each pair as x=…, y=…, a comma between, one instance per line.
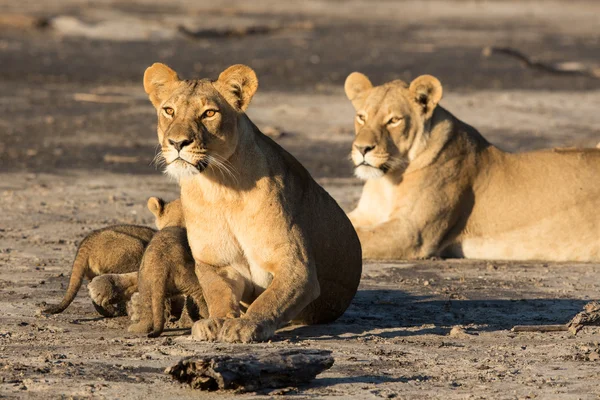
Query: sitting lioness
x=261, y=230
x=436, y=187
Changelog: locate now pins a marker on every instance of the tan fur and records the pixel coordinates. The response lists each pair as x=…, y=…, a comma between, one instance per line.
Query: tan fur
x=115, y=249
x=436, y=187
x=117, y=287
x=114, y=288
x=261, y=230
x=167, y=270
x=166, y=214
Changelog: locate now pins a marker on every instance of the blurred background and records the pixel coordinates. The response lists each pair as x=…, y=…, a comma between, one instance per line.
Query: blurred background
x=71, y=71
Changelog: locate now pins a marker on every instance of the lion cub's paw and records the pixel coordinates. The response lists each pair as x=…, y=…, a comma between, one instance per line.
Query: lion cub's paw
x=140, y=327
x=244, y=331
x=207, y=329
x=134, y=308
x=103, y=295
x=101, y=291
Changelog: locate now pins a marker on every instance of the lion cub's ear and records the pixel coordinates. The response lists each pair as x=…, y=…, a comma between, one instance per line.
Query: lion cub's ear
x=427, y=92
x=158, y=81
x=156, y=206
x=238, y=84
x=356, y=84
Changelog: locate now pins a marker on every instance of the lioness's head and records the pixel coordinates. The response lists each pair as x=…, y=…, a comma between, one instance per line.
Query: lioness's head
x=198, y=119
x=389, y=120
x=166, y=214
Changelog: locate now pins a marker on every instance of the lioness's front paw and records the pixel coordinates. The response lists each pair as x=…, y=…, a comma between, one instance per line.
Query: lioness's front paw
x=244, y=331
x=207, y=329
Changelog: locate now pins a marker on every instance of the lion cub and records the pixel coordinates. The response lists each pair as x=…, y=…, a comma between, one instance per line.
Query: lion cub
x=115, y=249
x=167, y=269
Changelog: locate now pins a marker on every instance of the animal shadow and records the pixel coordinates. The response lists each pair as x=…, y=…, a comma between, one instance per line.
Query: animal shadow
x=393, y=313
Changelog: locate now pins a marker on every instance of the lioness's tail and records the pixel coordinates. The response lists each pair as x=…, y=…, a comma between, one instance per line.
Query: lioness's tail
x=158, y=309
x=79, y=271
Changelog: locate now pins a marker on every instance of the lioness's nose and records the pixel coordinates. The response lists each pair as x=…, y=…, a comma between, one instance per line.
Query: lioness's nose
x=364, y=149
x=180, y=144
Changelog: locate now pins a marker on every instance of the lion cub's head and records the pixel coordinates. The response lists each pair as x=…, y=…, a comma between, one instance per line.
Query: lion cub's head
x=166, y=214
x=389, y=120
x=197, y=119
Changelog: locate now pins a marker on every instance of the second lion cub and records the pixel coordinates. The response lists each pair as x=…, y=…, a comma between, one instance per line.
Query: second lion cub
x=167, y=269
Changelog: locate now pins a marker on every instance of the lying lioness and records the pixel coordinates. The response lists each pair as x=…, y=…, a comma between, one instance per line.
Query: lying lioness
x=436, y=187
x=260, y=228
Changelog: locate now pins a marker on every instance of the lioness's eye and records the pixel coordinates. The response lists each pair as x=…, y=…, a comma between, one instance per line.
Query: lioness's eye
x=394, y=120
x=209, y=113
x=169, y=111
x=360, y=118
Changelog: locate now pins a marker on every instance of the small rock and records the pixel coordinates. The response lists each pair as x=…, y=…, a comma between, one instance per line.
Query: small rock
x=458, y=332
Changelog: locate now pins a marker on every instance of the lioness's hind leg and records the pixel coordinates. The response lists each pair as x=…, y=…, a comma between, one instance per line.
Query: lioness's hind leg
x=329, y=306
x=222, y=290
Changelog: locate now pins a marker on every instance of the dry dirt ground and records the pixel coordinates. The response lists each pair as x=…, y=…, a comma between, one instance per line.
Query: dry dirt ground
x=77, y=137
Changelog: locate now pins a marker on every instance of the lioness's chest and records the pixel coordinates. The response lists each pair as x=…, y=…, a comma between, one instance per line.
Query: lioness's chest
x=209, y=233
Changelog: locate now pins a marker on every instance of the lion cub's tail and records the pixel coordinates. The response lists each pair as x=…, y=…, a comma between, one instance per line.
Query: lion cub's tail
x=79, y=271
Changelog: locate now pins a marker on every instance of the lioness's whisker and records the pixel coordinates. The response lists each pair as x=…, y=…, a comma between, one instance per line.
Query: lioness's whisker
x=220, y=164
x=158, y=160
x=228, y=164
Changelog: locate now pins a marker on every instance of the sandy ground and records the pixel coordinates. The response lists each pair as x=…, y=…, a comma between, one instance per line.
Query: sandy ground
x=77, y=137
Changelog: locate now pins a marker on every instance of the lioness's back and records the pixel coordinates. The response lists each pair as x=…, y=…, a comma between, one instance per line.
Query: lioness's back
x=535, y=204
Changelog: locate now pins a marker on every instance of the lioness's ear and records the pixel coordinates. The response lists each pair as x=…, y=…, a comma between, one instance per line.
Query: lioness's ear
x=427, y=92
x=156, y=206
x=158, y=80
x=356, y=83
x=238, y=84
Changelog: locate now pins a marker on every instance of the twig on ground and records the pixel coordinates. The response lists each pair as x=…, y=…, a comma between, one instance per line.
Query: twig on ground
x=589, y=316
x=539, y=328
x=212, y=33
x=563, y=68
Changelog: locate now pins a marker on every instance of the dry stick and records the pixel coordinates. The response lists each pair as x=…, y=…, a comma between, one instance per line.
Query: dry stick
x=589, y=316
x=540, y=328
x=213, y=33
x=565, y=68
